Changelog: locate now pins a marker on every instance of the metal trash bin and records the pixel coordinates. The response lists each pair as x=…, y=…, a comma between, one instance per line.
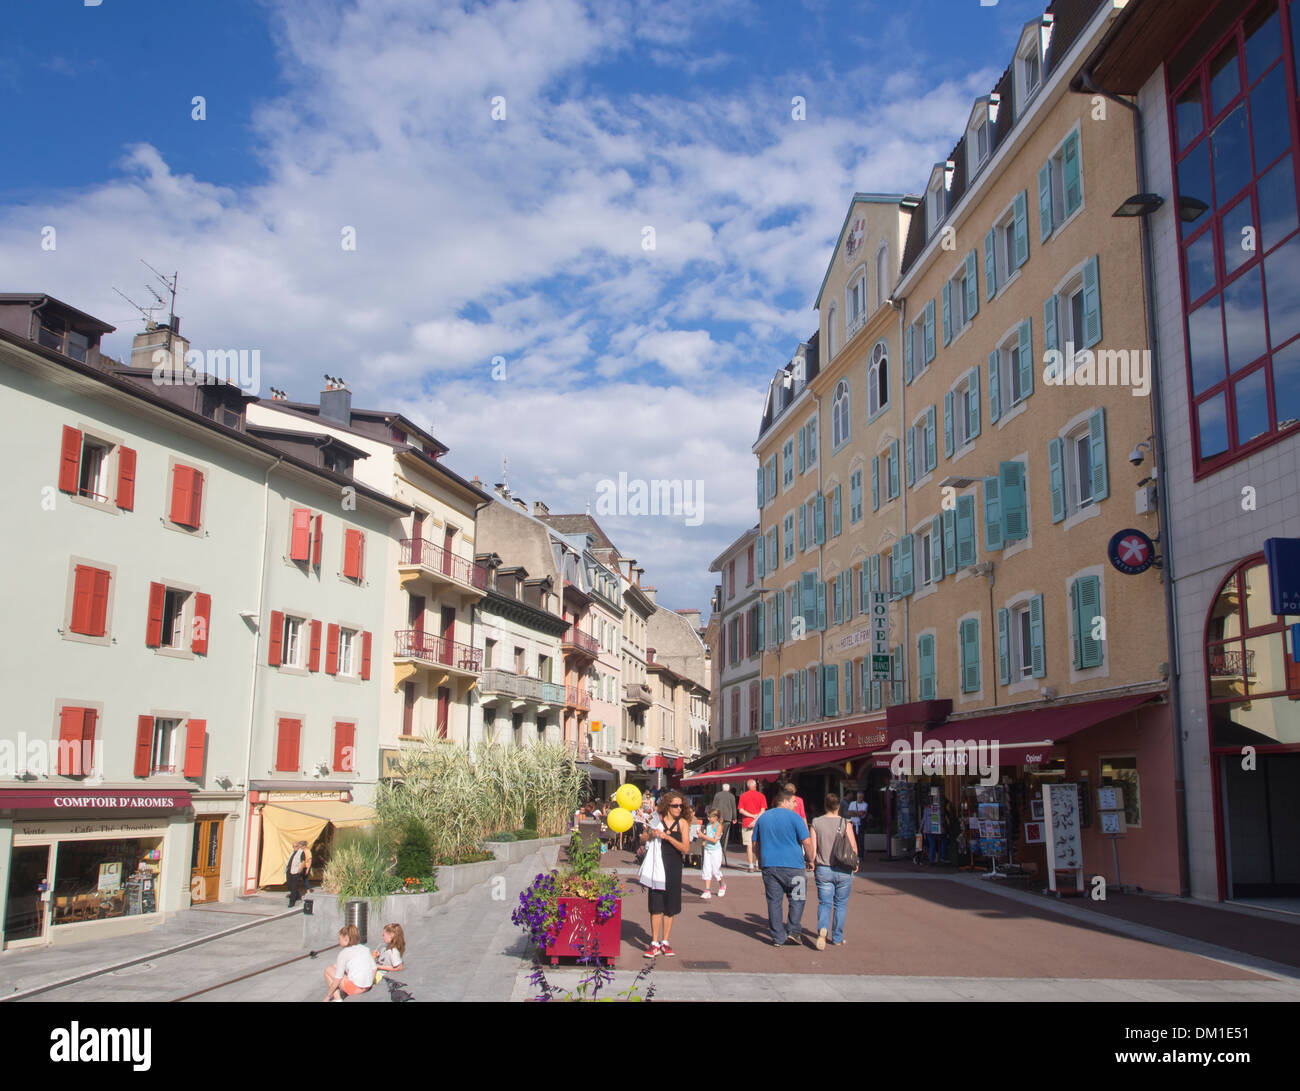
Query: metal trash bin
x=357, y=912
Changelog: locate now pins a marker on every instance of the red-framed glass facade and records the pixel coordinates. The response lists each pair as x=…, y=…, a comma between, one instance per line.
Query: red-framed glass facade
x=1235, y=135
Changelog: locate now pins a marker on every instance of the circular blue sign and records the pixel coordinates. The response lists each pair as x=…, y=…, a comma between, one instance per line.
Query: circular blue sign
x=1131, y=552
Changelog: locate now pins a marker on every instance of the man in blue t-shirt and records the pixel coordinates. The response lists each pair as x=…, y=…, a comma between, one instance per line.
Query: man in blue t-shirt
x=784, y=846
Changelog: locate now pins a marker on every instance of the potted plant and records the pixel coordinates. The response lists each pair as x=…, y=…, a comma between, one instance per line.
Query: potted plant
x=573, y=912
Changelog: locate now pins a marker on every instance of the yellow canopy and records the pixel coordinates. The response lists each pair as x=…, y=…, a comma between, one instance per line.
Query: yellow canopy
x=301, y=820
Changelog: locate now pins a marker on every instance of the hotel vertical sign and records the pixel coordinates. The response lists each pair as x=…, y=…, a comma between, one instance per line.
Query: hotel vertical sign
x=880, y=665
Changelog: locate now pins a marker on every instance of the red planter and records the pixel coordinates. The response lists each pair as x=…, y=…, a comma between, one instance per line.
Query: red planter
x=581, y=915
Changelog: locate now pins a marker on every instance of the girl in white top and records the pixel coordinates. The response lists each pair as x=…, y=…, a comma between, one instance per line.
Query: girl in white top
x=389, y=956
x=712, y=856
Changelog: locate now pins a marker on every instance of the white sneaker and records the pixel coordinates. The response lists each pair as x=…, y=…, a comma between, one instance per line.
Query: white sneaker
x=706, y=894
x=722, y=891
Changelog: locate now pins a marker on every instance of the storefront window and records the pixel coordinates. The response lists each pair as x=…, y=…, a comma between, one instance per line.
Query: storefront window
x=1123, y=773
x=95, y=880
x=1251, y=675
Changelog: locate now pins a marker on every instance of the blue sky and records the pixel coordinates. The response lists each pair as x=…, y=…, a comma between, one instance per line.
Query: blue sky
x=479, y=238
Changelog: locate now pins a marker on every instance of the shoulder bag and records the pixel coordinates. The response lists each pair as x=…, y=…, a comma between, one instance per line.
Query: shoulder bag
x=842, y=854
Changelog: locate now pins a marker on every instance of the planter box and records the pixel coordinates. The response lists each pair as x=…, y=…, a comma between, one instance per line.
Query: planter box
x=581, y=914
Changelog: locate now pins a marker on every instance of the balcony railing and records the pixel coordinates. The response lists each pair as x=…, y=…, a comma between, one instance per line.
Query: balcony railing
x=522, y=687
x=552, y=693
x=413, y=644
x=637, y=694
x=423, y=552
x=1228, y=664
x=578, y=639
x=853, y=323
x=577, y=697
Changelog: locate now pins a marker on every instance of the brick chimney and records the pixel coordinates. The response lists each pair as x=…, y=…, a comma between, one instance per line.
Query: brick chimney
x=647, y=590
x=540, y=509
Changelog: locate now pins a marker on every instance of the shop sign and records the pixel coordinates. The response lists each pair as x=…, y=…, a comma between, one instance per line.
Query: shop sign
x=95, y=801
x=59, y=829
x=1130, y=551
x=879, y=623
x=1283, y=557
x=301, y=797
x=840, y=738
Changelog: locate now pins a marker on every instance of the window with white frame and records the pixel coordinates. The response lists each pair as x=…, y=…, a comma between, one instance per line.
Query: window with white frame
x=934, y=205
x=173, y=619
x=788, y=532
x=1064, y=172
x=1014, y=374
x=830, y=330
x=1029, y=64
x=882, y=274
x=162, y=758
x=92, y=481
x=965, y=411
x=1078, y=469
x=812, y=442
x=1004, y=248
x=787, y=464
x=292, y=655
x=957, y=300
x=347, y=642
x=855, y=304
x=978, y=138
x=924, y=553
x=840, y=415
x=917, y=333
x=878, y=379
x=1020, y=643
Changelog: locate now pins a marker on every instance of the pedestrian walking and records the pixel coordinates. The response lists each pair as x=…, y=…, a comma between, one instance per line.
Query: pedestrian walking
x=670, y=833
x=785, y=848
x=725, y=804
x=295, y=871
x=712, y=863
x=858, y=813
x=799, y=808
x=752, y=804
x=834, y=877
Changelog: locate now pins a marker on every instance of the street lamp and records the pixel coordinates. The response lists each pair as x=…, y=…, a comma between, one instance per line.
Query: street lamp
x=1141, y=204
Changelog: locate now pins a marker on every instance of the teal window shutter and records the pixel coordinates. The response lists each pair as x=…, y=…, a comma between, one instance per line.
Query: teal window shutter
x=875, y=572
x=970, y=656
x=898, y=674
x=965, y=531
x=812, y=442
x=803, y=528
x=877, y=700
x=1045, y=201
x=855, y=497
x=875, y=483
x=1089, y=597
x=1056, y=477
x=905, y=579
x=808, y=595
x=869, y=689
x=802, y=714
x=973, y=419
x=1015, y=515
x=895, y=570
x=936, y=548
x=1049, y=325
x=758, y=626
x=821, y=606
x=972, y=286
x=893, y=470
x=760, y=486
x=819, y=520
x=995, y=388
x=767, y=704
x=907, y=353
x=803, y=442
x=864, y=587
x=990, y=265
x=758, y=556
x=848, y=687
x=838, y=600
x=836, y=516
x=778, y=628
x=992, y=515
x=1037, y=655
x=1004, y=652
x=1091, y=304
x=929, y=331
x=771, y=477
x=1097, y=451
x=931, y=441
x=1072, y=190
x=1020, y=226
x=911, y=456
x=1025, y=345
x=950, y=541
x=947, y=312
x=925, y=667
x=947, y=425
x=831, y=706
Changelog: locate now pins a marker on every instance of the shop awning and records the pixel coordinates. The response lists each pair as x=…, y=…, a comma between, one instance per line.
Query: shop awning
x=301, y=820
x=1018, y=738
x=765, y=768
x=595, y=772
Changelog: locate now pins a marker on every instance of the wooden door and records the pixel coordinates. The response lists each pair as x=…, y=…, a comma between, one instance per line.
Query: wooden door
x=444, y=710
x=417, y=538
x=408, y=708
x=415, y=615
x=205, y=860
x=448, y=632
x=448, y=537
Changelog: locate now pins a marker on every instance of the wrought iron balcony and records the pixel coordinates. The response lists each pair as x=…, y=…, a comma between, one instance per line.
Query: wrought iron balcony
x=427, y=648
x=577, y=697
x=575, y=639
x=1227, y=663
x=438, y=562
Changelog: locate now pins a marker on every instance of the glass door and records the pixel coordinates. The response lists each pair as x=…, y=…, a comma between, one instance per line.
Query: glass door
x=27, y=906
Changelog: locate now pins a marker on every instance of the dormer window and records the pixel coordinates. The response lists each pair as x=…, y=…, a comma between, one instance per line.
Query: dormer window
x=54, y=333
x=977, y=138
x=936, y=199
x=1029, y=60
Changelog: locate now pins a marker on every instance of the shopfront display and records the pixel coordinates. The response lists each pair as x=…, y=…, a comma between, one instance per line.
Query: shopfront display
x=96, y=880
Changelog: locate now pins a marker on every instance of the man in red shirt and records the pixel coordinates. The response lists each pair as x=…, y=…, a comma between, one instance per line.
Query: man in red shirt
x=798, y=802
x=752, y=804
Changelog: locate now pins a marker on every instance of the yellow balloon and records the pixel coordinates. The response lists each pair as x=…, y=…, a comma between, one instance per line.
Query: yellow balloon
x=629, y=797
x=619, y=820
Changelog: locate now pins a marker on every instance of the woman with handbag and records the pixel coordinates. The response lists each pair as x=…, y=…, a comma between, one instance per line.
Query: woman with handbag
x=668, y=841
x=837, y=860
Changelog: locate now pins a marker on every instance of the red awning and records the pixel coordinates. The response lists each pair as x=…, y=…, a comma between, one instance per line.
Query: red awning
x=769, y=767
x=1021, y=737
x=758, y=768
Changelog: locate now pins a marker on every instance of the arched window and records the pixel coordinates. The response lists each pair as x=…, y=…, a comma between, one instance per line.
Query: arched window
x=830, y=331
x=878, y=379
x=840, y=414
x=1252, y=681
x=882, y=274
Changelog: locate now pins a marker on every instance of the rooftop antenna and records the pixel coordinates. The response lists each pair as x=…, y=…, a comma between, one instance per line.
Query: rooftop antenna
x=505, y=472
x=147, y=312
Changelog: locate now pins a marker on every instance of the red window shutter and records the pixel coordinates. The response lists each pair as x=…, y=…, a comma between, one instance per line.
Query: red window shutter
x=83, y=590
x=99, y=604
x=126, y=478
x=344, y=738
x=153, y=630
x=365, y=657
x=70, y=734
x=300, y=538
x=143, y=745
x=277, y=638
x=196, y=744
x=88, y=722
x=180, y=509
x=202, y=619
x=196, y=499
x=313, y=658
x=351, y=558
x=70, y=460
x=361, y=555
x=286, y=757
x=316, y=542
x=332, y=650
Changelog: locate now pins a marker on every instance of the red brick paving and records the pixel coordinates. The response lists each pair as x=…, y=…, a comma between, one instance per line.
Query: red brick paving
x=931, y=927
